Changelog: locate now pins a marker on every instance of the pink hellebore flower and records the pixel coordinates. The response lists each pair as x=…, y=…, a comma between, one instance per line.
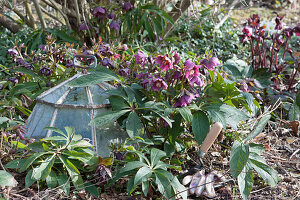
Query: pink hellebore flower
x=13, y=52
x=140, y=58
x=158, y=84
x=176, y=58
x=248, y=31
x=164, y=61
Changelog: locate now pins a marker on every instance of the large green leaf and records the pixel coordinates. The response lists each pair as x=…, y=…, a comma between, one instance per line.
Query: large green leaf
x=42, y=171
x=245, y=181
x=92, y=189
x=200, y=126
x=15, y=164
x=31, y=159
x=118, y=103
x=51, y=180
x=156, y=155
x=233, y=115
x=238, y=158
x=259, y=127
x=133, y=125
x=266, y=172
x=186, y=114
x=91, y=79
x=28, y=179
x=107, y=118
x=142, y=174
x=164, y=184
x=73, y=172
x=132, y=165
x=6, y=179
x=63, y=182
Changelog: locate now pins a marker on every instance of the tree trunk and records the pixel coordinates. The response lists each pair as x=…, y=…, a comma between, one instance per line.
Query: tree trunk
x=9, y=24
x=180, y=7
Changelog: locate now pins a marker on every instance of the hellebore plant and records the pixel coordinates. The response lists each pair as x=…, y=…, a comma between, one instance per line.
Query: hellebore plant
x=269, y=43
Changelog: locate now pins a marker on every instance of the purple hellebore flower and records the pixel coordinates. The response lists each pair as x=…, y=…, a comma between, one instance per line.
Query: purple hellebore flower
x=185, y=100
x=191, y=72
x=13, y=52
x=140, y=58
x=111, y=15
x=123, y=47
x=248, y=31
x=297, y=29
x=211, y=63
x=13, y=80
x=145, y=83
x=189, y=64
x=70, y=64
x=106, y=62
x=158, y=84
x=244, y=86
x=176, y=58
x=278, y=22
x=280, y=41
x=42, y=47
x=164, y=61
x=197, y=80
x=127, y=6
x=99, y=12
x=177, y=75
x=114, y=25
x=84, y=27
x=46, y=71
x=119, y=156
x=124, y=72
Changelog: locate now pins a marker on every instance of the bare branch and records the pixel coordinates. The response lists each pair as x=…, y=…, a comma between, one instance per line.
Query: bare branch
x=40, y=14
x=52, y=16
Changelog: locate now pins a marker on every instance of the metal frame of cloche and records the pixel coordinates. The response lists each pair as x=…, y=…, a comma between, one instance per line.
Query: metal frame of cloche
x=64, y=105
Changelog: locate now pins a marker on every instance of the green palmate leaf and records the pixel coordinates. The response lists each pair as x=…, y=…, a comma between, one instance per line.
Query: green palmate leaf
x=133, y=125
x=142, y=175
x=107, y=118
x=266, y=172
x=41, y=172
x=4, y=120
x=15, y=164
x=156, y=155
x=132, y=165
x=73, y=172
x=130, y=186
x=179, y=188
x=51, y=180
x=200, y=126
x=256, y=148
x=91, y=79
x=80, y=144
x=92, y=189
x=233, y=115
x=145, y=187
x=238, y=158
x=259, y=127
x=176, y=130
x=63, y=182
x=28, y=179
x=186, y=114
x=31, y=159
x=118, y=103
x=82, y=156
x=163, y=184
x=6, y=179
x=54, y=138
x=294, y=112
x=245, y=181
x=57, y=130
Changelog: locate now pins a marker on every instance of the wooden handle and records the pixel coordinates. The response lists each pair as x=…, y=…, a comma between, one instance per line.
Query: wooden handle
x=211, y=136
